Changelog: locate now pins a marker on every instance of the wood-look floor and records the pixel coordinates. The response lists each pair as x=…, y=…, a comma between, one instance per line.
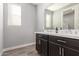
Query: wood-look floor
x=25, y=51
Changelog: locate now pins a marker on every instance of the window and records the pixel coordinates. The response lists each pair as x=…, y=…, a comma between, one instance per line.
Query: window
x=48, y=20
x=14, y=15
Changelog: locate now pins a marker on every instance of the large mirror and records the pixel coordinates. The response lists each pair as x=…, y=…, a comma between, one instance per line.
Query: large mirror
x=62, y=16
x=68, y=19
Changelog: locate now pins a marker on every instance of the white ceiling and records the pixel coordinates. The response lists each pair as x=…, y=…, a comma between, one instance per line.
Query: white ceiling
x=36, y=3
x=57, y=6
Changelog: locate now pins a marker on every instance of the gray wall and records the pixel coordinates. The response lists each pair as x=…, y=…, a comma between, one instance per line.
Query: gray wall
x=1, y=27
x=24, y=34
x=40, y=15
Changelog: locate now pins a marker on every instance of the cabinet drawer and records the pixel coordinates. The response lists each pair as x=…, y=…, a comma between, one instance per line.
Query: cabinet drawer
x=68, y=42
x=73, y=43
x=56, y=39
x=70, y=52
x=44, y=36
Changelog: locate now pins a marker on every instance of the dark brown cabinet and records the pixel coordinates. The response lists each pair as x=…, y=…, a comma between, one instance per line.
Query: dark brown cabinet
x=38, y=45
x=42, y=44
x=70, y=52
x=54, y=50
x=50, y=45
x=43, y=47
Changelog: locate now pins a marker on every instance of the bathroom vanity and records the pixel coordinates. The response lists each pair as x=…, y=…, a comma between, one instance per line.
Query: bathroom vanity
x=55, y=44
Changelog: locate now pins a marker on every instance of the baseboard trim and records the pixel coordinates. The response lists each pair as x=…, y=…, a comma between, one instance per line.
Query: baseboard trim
x=19, y=46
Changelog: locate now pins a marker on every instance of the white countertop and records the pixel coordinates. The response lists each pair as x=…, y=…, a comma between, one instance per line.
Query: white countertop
x=75, y=36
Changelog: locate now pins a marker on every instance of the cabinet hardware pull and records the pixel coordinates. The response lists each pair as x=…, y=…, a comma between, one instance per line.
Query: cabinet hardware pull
x=61, y=41
x=60, y=51
x=39, y=36
x=39, y=42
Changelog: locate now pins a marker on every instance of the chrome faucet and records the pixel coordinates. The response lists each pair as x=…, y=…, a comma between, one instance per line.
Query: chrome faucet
x=56, y=30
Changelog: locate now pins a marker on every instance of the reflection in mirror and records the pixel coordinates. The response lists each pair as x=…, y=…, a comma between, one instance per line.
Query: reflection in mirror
x=53, y=15
x=62, y=16
x=48, y=19
x=68, y=19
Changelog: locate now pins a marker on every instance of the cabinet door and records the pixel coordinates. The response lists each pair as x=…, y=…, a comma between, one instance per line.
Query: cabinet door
x=70, y=52
x=41, y=46
x=54, y=50
x=44, y=47
x=38, y=45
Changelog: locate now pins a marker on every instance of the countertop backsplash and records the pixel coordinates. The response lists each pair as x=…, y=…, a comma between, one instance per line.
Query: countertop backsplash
x=76, y=31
